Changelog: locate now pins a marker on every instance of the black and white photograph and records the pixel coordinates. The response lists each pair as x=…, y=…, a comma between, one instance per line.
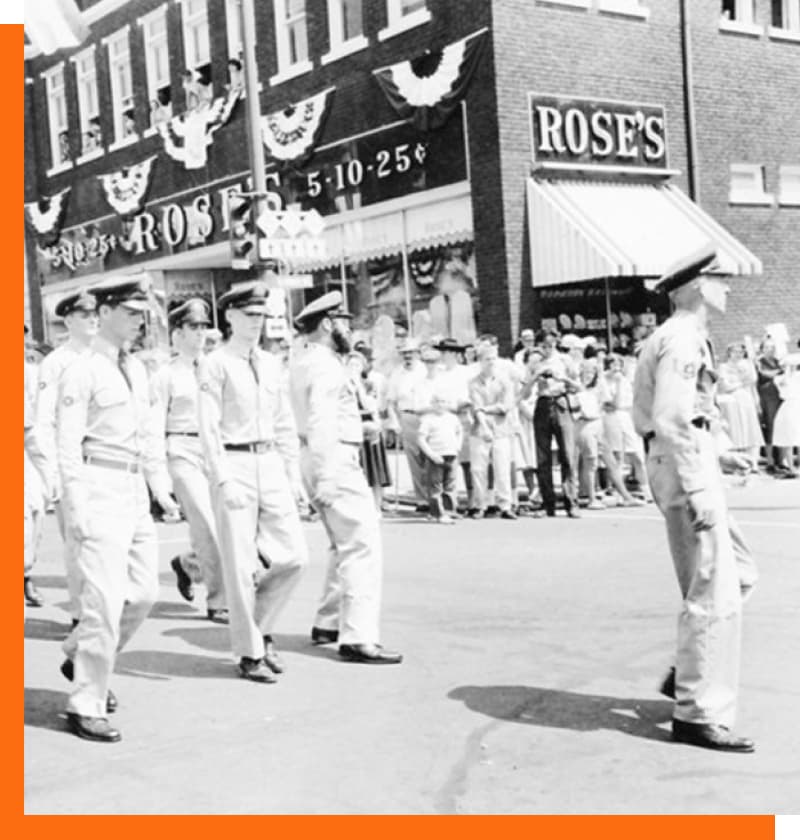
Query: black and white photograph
x=411, y=407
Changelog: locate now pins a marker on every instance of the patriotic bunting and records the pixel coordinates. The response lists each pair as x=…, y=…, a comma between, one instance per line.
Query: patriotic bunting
x=47, y=215
x=196, y=128
x=427, y=89
x=126, y=189
x=290, y=135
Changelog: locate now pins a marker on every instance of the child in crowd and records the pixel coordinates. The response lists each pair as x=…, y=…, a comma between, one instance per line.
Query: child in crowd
x=440, y=437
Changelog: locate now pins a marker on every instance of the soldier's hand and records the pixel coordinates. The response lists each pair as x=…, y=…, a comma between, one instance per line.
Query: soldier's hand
x=371, y=430
x=702, y=511
x=325, y=493
x=170, y=507
x=78, y=526
x=231, y=497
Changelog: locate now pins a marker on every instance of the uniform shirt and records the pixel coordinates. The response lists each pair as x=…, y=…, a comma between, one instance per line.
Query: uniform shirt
x=34, y=454
x=325, y=403
x=674, y=385
x=174, y=394
x=492, y=392
x=243, y=399
x=100, y=415
x=441, y=432
x=50, y=370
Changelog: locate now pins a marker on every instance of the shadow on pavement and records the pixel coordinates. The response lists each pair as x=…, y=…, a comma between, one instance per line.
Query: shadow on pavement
x=159, y=664
x=296, y=643
x=46, y=630
x=44, y=708
x=567, y=709
x=174, y=610
x=212, y=637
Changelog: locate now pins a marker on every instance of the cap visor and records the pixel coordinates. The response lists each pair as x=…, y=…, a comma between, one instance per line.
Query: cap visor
x=253, y=308
x=135, y=305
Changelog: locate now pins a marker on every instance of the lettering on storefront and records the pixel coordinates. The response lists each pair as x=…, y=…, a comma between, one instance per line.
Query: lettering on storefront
x=592, y=133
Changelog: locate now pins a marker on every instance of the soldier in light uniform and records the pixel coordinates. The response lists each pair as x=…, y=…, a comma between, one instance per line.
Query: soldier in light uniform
x=250, y=441
x=674, y=411
x=79, y=311
x=330, y=429
x=174, y=392
x=107, y=448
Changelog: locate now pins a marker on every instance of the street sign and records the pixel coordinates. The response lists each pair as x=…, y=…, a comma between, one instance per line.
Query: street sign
x=291, y=235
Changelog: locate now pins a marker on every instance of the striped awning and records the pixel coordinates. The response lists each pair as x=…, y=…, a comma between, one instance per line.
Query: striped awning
x=582, y=230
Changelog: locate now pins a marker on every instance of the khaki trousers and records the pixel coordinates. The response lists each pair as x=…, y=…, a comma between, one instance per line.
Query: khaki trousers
x=351, y=594
x=118, y=569
x=715, y=571
x=268, y=525
x=498, y=453
x=71, y=569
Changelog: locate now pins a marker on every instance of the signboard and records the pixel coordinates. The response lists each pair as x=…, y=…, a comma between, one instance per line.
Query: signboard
x=576, y=133
x=392, y=161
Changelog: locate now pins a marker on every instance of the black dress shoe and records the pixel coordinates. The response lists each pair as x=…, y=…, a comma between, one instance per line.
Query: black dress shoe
x=185, y=586
x=33, y=597
x=255, y=670
x=67, y=669
x=508, y=514
x=74, y=623
x=93, y=728
x=712, y=736
x=218, y=616
x=272, y=658
x=321, y=636
x=667, y=687
x=369, y=655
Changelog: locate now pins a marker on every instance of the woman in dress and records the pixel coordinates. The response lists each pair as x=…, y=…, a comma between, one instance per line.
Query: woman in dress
x=769, y=368
x=786, y=431
x=737, y=402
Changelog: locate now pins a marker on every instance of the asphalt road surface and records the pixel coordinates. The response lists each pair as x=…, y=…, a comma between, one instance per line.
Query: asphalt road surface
x=533, y=652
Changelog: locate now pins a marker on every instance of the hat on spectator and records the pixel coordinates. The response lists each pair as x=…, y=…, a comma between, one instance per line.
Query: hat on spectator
x=329, y=306
x=686, y=269
x=410, y=345
x=248, y=297
x=80, y=300
x=449, y=345
x=130, y=293
x=570, y=341
x=193, y=311
x=428, y=354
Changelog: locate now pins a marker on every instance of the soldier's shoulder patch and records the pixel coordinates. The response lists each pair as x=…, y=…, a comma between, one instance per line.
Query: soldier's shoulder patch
x=688, y=370
x=204, y=386
x=42, y=385
x=68, y=400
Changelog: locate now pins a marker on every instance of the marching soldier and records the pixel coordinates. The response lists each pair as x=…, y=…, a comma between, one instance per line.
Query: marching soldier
x=79, y=312
x=674, y=411
x=174, y=390
x=250, y=442
x=331, y=433
x=107, y=449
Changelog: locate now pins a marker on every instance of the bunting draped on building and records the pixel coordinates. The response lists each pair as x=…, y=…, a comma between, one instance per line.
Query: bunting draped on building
x=126, y=189
x=196, y=129
x=47, y=215
x=427, y=88
x=290, y=135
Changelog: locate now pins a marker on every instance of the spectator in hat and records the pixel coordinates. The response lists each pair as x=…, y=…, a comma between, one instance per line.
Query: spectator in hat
x=769, y=368
x=526, y=343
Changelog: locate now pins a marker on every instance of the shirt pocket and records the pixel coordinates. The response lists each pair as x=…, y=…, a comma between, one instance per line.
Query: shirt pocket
x=110, y=396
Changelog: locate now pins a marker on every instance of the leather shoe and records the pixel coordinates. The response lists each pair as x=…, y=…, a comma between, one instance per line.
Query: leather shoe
x=67, y=669
x=184, y=582
x=218, y=616
x=667, y=687
x=573, y=513
x=255, y=670
x=508, y=514
x=321, y=636
x=369, y=655
x=272, y=658
x=712, y=736
x=33, y=597
x=93, y=728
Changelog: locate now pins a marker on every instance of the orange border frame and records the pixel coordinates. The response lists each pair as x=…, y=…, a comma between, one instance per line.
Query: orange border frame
x=12, y=87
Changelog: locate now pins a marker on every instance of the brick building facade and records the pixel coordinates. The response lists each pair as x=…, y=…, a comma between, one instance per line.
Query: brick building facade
x=479, y=163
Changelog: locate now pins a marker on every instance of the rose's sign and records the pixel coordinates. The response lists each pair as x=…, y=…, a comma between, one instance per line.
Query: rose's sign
x=574, y=133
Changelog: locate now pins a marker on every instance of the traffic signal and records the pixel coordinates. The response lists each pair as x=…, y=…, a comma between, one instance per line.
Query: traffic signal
x=242, y=232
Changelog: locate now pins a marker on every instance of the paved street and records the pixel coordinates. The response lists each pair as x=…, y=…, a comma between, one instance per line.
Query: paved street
x=533, y=650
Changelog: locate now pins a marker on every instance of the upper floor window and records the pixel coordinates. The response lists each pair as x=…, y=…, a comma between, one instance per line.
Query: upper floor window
x=119, y=71
x=291, y=38
x=156, y=59
x=197, y=51
x=88, y=108
x=346, y=28
x=740, y=16
x=402, y=15
x=789, y=181
x=786, y=14
x=233, y=20
x=57, y=117
x=748, y=184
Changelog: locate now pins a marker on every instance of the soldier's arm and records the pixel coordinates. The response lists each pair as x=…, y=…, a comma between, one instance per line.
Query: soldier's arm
x=285, y=429
x=74, y=393
x=674, y=401
x=325, y=385
x=154, y=456
x=45, y=428
x=210, y=376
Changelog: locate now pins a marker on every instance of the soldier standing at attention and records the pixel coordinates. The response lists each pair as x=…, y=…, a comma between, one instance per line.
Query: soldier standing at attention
x=79, y=311
x=174, y=391
x=107, y=447
x=250, y=442
x=674, y=411
x=331, y=433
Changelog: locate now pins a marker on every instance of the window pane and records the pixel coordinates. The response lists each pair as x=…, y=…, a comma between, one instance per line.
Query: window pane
x=295, y=8
x=298, y=46
x=409, y=6
x=351, y=19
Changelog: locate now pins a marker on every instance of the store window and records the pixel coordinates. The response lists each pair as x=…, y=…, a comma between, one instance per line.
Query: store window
x=346, y=28
x=291, y=36
x=57, y=118
x=119, y=70
x=748, y=184
x=197, y=53
x=88, y=109
x=789, y=189
x=402, y=15
x=786, y=15
x=156, y=57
